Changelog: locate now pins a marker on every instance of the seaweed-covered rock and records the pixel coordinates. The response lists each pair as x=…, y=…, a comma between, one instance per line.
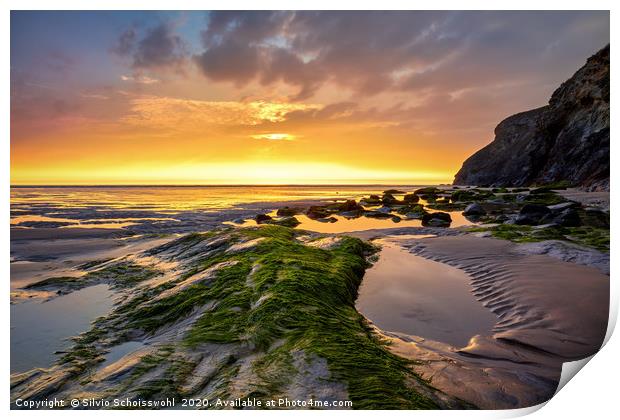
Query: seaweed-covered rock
x=290, y=221
x=427, y=190
x=411, y=198
x=287, y=211
x=378, y=215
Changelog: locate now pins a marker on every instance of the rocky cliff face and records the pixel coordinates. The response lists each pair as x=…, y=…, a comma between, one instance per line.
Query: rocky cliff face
x=565, y=141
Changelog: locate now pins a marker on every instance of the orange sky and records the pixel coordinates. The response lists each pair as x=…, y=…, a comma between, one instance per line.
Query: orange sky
x=268, y=98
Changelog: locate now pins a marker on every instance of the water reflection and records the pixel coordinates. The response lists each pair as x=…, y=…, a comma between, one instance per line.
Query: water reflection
x=409, y=294
x=38, y=329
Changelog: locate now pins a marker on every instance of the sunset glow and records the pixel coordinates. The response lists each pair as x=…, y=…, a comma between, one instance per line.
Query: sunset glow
x=227, y=98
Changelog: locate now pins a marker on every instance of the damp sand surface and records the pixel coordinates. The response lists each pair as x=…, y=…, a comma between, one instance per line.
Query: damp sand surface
x=550, y=311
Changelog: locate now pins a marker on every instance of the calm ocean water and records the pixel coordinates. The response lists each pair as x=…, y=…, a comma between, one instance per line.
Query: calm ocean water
x=173, y=198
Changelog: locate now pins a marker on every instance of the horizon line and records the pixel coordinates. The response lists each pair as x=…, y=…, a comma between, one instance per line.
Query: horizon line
x=218, y=185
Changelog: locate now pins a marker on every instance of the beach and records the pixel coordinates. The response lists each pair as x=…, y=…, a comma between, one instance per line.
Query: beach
x=464, y=304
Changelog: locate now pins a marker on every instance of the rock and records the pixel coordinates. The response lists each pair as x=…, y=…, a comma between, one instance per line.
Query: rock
x=287, y=211
x=350, y=205
x=330, y=219
x=563, y=206
x=393, y=192
x=438, y=219
x=262, y=218
x=568, y=218
x=531, y=214
x=540, y=190
x=384, y=209
x=564, y=142
x=317, y=212
x=427, y=191
x=596, y=217
x=290, y=221
x=377, y=215
x=501, y=218
x=411, y=198
x=373, y=200
x=352, y=214
x=474, y=209
x=470, y=195
x=388, y=199
x=396, y=219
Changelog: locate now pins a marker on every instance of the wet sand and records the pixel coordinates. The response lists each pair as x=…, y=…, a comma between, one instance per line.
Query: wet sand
x=587, y=198
x=549, y=311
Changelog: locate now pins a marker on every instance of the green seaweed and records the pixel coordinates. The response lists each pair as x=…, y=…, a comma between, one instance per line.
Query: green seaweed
x=281, y=297
x=282, y=289
x=586, y=236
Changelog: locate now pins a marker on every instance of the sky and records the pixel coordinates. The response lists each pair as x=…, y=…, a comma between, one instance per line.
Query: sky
x=233, y=97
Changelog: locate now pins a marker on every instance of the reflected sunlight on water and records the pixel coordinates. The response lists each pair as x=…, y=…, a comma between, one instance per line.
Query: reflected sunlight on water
x=177, y=198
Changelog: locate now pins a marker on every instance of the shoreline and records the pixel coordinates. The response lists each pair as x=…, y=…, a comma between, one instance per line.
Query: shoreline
x=510, y=288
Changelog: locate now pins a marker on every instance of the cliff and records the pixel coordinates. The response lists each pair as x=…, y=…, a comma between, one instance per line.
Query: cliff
x=565, y=141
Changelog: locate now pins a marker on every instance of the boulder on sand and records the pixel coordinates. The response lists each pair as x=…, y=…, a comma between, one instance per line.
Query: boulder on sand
x=350, y=205
x=531, y=214
x=287, y=211
x=262, y=218
x=317, y=212
x=474, y=209
x=411, y=198
x=438, y=219
x=568, y=217
x=388, y=199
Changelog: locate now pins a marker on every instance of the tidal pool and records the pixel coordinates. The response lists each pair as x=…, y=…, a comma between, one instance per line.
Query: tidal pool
x=38, y=329
x=409, y=294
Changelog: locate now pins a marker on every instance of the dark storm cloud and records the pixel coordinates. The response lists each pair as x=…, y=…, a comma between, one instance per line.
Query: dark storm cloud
x=159, y=47
x=371, y=52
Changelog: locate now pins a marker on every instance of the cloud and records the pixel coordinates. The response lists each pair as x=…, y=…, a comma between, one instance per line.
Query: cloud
x=94, y=96
x=159, y=47
x=174, y=113
x=370, y=52
x=125, y=43
x=273, y=136
x=145, y=80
